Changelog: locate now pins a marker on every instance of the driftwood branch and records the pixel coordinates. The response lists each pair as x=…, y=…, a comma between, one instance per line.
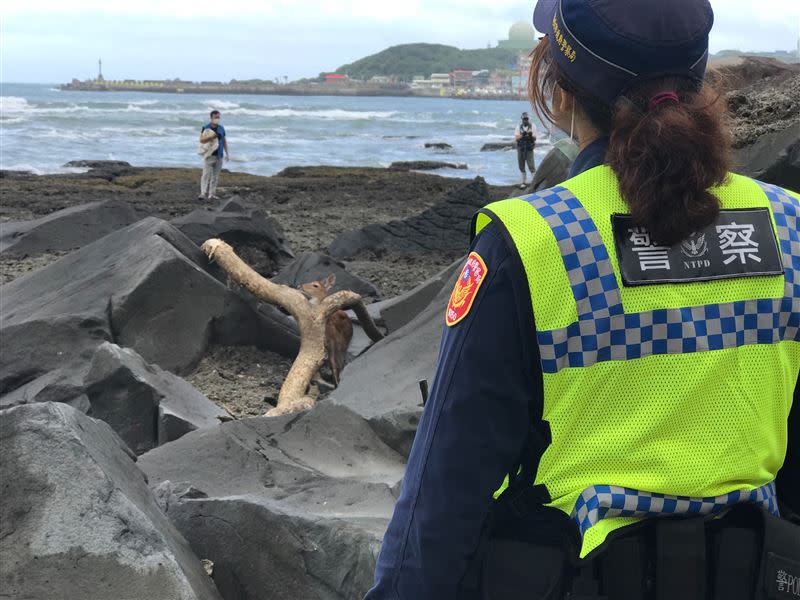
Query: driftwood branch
x=311, y=320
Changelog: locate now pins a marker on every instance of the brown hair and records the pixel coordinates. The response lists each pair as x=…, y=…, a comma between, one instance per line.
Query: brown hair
x=666, y=158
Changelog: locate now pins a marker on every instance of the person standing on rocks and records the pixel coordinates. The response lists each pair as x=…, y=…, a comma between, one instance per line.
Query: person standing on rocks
x=615, y=413
x=212, y=165
x=525, y=135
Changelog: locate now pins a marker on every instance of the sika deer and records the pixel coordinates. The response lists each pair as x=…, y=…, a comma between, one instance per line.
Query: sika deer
x=338, y=330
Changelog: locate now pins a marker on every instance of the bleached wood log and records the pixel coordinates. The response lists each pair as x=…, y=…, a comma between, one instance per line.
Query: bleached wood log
x=311, y=320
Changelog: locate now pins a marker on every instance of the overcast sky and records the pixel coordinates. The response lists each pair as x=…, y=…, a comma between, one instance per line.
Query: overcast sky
x=53, y=41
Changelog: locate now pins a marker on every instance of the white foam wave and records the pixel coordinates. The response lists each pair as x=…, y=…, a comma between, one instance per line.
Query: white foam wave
x=336, y=114
x=12, y=104
x=43, y=170
x=221, y=104
x=12, y=120
x=144, y=103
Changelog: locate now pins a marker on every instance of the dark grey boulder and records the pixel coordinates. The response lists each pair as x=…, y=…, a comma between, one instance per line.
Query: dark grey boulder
x=263, y=549
x=234, y=204
x=773, y=158
x=382, y=385
x=104, y=169
x=122, y=389
x=443, y=228
x=258, y=239
x=144, y=287
x=498, y=146
x=438, y=146
x=396, y=312
x=58, y=385
x=145, y=405
x=286, y=508
x=99, y=164
x=392, y=314
x=66, y=229
x=313, y=266
x=77, y=519
x=425, y=165
x=555, y=166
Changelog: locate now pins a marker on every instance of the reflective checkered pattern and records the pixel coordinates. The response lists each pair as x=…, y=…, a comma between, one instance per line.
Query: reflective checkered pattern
x=606, y=501
x=786, y=210
x=586, y=259
x=604, y=332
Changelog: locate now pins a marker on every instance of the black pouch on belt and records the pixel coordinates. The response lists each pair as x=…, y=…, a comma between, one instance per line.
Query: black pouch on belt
x=757, y=556
x=780, y=561
x=529, y=552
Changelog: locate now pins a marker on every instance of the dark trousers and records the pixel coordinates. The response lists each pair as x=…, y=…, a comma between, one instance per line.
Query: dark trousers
x=525, y=155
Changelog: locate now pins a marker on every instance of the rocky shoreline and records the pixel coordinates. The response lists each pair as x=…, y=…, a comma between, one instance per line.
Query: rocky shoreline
x=311, y=207
x=134, y=373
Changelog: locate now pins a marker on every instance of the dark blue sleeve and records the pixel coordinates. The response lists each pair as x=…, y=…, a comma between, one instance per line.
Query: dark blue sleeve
x=471, y=434
x=788, y=482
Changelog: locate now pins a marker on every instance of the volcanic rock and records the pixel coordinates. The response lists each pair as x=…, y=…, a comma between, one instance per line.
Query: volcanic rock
x=497, y=146
x=143, y=404
x=773, y=158
x=143, y=287
x=285, y=508
x=104, y=169
x=66, y=229
x=314, y=266
x=442, y=228
x=438, y=146
x=382, y=385
x=78, y=520
x=424, y=165
x=555, y=166
x=396, y=312
x=247, y=230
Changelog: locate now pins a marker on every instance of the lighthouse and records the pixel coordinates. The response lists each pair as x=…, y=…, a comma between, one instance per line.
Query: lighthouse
x=99, y=69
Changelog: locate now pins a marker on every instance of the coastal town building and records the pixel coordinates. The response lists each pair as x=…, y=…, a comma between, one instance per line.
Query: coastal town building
x=508, y=81
x=336, y=79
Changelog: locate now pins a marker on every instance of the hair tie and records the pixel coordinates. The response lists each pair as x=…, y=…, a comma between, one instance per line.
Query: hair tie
x=663, y=97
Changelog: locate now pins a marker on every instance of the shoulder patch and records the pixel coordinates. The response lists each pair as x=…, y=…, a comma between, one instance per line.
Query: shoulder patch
x=466, y=288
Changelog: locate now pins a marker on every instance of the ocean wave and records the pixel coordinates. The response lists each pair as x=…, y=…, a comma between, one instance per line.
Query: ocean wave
x=337, y=114
x=112, y=133
x=220, y=104
x=12, y=120
x=12, y=104
x=28, y=168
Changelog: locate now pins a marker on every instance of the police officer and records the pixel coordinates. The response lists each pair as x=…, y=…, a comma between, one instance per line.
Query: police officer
x=525, y=136
x=620, y=347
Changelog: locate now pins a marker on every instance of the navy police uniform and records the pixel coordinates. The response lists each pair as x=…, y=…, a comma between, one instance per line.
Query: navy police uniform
x=474, y=426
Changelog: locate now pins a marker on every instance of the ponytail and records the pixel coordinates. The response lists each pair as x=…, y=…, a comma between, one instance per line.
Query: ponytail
x=669, y=145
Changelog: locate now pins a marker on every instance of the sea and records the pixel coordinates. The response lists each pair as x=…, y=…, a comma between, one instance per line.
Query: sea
x=42, y=128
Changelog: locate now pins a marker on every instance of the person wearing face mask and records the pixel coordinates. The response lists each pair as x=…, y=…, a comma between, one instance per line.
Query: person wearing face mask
x=614, y=413
x=525, y=136
x=212, y=162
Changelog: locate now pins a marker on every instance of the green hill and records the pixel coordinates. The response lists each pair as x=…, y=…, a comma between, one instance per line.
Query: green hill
x=408, y=60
